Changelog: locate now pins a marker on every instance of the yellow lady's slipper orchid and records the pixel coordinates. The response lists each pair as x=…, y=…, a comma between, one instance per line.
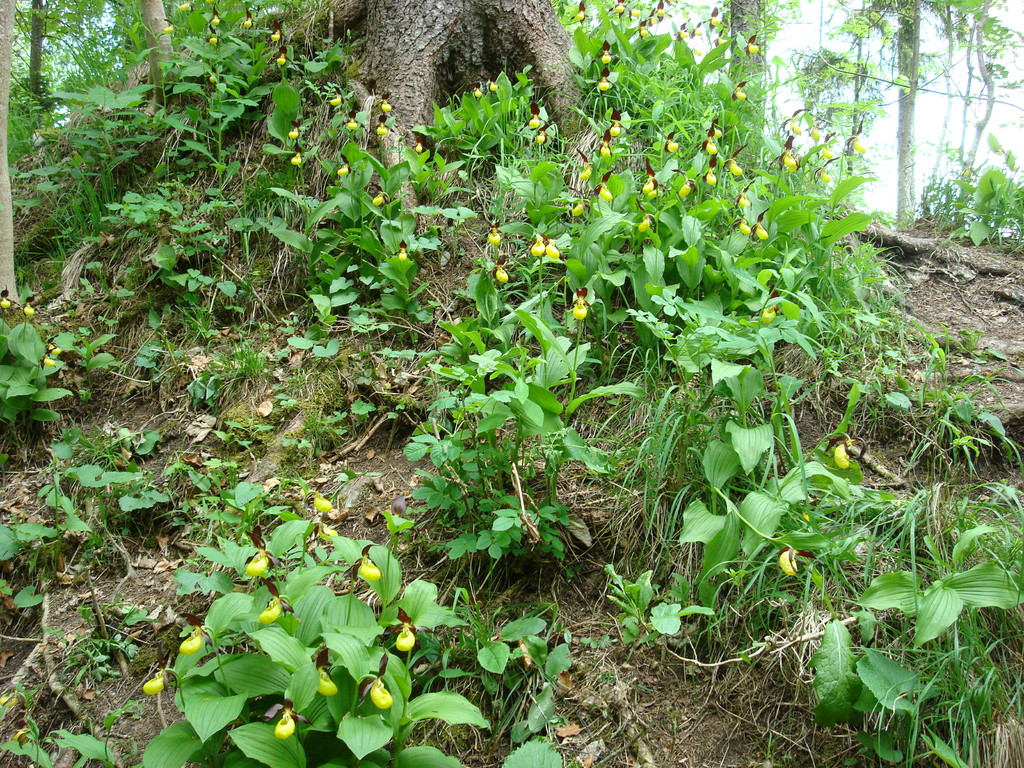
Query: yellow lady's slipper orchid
x=369, y=572
x=858, y=147
x=710, y=178
x=645, y=224
x=382, y=130
x=552, y=251
x=605, y=194
x=686, y=189
x=336, y=101
x=579, y=310
x=406, y=639
x=494, y=237
x=380, y=696
x=578, y=209
x=193, y=643
x=326, y=686
x=285, y=726
x=343, y=169
x=743, y=201
x=538, y=248
x=293, y=133
x=297, y=159
x=322, y=505
x=258, y=565
x=213, y=40
x=500, y=275
x=272, y=612
x=841, y=457
x=169, y=29
x=761, y=232
x=743, y=227
x=734, y=168
x=788, y=562
x=351, y=125
x=378, y=200
x=154, y=686
x=586, y=173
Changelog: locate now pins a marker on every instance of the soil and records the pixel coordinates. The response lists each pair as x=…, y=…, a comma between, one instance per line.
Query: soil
x=620, y=706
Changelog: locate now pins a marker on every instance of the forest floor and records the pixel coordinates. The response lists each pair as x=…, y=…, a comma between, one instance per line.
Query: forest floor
x=652, y=705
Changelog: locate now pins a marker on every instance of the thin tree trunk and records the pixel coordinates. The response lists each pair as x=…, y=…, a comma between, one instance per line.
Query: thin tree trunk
x=909, y=49
x=984, y=67
x=7, y=9
x=947, y=71
x=154, y=22
x=35, y=51
x=969, y=58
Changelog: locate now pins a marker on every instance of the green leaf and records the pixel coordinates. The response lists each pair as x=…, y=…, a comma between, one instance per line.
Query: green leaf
x=665, y=618
x=890, y=683
x=839, y=228
x=835, y=678
x=493, y=657
x=761, y=515
x=287, y=99
x=172, y=747
x=939, y=608
x=282, y=647
x=534, y=754
x=85, y=744
x=847, y=186
x=50, y=394
x=985, y=586
x=452, y=708
x=967, y=539
x=624, y=388
x=209, y=711
x=425, y=757
x=253, y=675
x=363, y=735
x=892, y=590
x=720, y=463
x=520, y=628
x=699, y=524
x=226, y=609
x=257, y=740
x=750, y=444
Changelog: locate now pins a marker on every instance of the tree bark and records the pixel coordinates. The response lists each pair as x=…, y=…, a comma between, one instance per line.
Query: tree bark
x=746, y=19
x=908, y=50
x=422, y=52
x=7, y=283
x=985, y=68
x=35, y=51
x=154, y=21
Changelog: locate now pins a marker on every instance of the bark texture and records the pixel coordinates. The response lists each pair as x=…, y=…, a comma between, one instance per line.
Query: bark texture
x=909, y=49
x=35, y=50
x=7, y=8
x=421, y=52
x=154, y=21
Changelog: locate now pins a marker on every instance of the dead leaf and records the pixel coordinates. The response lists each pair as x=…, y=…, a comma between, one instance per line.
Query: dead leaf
x=372, y=514
x=89, y=694
x=527, y=658
x=587, y=761
x=265, y=408
x=162, y=541
x=568, y=731
x=4, y=656
x=147, y=563
x=564, y=682
x=338, y=515
x=193, y=460
x=271, y=483
x=371, y=453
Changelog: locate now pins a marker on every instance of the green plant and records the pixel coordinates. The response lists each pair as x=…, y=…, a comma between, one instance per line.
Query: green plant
x=291, y=672
x=25, y=365
x=522, y=679
x=646, y=615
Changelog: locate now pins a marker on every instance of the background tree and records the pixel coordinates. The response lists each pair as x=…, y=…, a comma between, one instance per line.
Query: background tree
x=7, y=283
x=154, y=22
x=908, y=46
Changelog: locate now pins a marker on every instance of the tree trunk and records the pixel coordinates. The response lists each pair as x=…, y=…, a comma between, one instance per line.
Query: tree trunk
x=746, y=19
x=908, y=41
x=985, y=68
x=947, y=72
x=35, y=51
x=422, y=52
x=154, y=22
x=7, y=8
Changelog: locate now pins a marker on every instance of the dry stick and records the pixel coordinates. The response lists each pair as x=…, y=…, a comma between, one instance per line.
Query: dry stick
x=363, y=440
x=880, y=469
x=766, y=644
x=524, y=515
